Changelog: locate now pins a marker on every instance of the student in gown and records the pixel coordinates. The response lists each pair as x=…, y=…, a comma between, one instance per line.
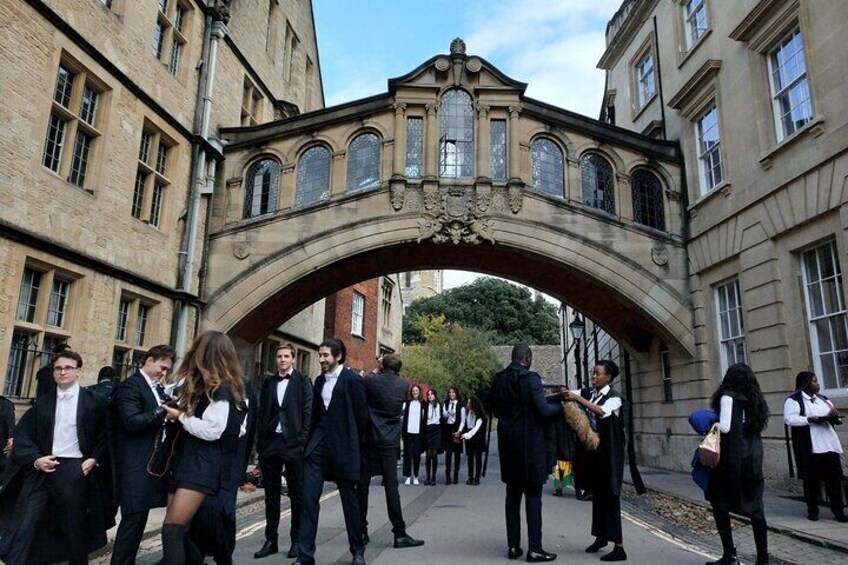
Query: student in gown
x=432, y=436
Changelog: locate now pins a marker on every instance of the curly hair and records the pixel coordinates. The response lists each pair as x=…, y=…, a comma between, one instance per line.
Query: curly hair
x=740, y=384
x=210, y=363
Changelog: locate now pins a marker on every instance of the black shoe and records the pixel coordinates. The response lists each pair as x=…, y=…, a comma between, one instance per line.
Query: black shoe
x=514, y=552
x=292, y=554
x=813, y=516
x=358, y=559
x=404, y=541
x=456, y=480
x=617, y=554
x=469, y=481
x=841, y=518
x=540, y=556
x=268, y=548
x=596, y=546
x=447, y=479
x=732, y=560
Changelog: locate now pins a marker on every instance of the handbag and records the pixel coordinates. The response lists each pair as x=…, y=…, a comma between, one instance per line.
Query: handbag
x=164, y=448
x=709, y=451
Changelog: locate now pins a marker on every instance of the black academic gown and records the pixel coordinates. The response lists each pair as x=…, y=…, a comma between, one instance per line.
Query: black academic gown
x=7, y=427
x=34, y=439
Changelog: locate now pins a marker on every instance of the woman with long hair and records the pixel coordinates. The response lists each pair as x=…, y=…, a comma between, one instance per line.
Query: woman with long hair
x=453, y=414
x=736, y=484
x=211, y=409
x=413, y=434
x=433, y=436
x=473, y=431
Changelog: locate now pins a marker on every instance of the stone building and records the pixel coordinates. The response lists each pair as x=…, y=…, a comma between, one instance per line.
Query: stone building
x=754, y=92
x=420, y=284
x=108, y=150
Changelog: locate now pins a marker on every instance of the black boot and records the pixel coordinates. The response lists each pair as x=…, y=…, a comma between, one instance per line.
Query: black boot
x=268, y=548
x=173, y=544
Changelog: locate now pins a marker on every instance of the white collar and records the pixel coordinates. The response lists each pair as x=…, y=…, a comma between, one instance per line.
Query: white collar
x=72, y=392
x=810, y=397
x=603, y=392
x=150, y=382
x=336, y=372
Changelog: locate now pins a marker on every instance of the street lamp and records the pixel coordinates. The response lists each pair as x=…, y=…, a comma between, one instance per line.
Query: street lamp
x=576, y=327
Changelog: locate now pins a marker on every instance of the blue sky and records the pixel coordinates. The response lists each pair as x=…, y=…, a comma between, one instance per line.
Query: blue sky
x=553, y=45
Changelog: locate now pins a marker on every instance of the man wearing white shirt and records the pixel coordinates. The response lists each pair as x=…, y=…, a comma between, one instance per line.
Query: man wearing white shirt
x=817, y=449
x=59, y=446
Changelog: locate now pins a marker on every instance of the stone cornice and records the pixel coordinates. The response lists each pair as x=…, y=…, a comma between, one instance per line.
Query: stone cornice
x=695, y=84
x=754, y=19
x=625, y=34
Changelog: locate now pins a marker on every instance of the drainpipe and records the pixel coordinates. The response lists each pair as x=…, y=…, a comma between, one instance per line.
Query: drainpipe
x=199, y=182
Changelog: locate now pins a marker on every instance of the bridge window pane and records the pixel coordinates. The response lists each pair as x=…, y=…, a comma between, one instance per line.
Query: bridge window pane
x=498, y=128
x=260, y=196
x=414, y=147
x=456, y=141
x=313, y=176
x=363, y=162
x=648, y=208
x=597, y=181
x=547, y=167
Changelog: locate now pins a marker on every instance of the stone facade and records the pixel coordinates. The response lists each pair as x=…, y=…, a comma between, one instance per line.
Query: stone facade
x=547, y=361
x=771, y=224
x=420, y=284
x=107, y=265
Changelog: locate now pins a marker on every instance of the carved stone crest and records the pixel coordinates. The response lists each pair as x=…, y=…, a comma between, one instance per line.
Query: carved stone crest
x=659, y=255
x=455, y=222
x=516, y=198
x=397, y=192
x=241, y=250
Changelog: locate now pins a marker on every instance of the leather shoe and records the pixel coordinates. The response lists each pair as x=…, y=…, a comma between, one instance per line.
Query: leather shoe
x=514, y=552
x=813, y=516
x=596, y=546
x=617, y=554
x=404, y=541
x=841, y=518
x=540, y=556
x=358, y=559
x=268, y=548
x=292, y=554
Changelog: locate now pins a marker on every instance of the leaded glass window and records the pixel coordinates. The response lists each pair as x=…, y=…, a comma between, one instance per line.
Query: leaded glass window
x=263, y=180
x=498, y=130
x=414, y=147
x=598, y=183
x=456, y=138
x=548, y=170
x=363, y=162
x=648, y=208
x=313, y=176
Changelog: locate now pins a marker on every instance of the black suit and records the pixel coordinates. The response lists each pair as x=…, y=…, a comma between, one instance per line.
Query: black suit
x=7, y=427
x=284, y=449
x=64, y=507
x=386, y=393
x=137, y=419
x=333, y=454
x=522, y=412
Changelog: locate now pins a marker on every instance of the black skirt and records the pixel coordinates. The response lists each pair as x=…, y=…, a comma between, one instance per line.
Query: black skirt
x=434, y=436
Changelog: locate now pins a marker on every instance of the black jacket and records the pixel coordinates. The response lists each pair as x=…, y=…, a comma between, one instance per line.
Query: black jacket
x=386, y=393
x=341, y=427
x=137, y=419
x=34, y=439
x=294, y=415
x=7, y=427
x=522, y=412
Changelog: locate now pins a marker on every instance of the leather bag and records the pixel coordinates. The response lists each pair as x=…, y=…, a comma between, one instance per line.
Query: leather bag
x=710, y=449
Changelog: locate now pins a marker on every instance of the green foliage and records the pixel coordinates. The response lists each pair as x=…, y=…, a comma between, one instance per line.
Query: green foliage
x=506, y=313
x=452, y=356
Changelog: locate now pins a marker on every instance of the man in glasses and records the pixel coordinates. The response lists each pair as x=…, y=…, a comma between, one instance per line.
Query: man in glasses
x=57, y=491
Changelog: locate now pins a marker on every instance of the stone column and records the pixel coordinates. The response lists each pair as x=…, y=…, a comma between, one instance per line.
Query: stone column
x=623, y=197
x=573, y=184
x=431, y=136
x=399, y=147
x=484, y=142
x=338, y=174
x=514, y=157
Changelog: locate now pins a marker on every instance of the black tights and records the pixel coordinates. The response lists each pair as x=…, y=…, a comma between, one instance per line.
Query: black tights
x=758, y=524
x=177, y=549
x=432, y=464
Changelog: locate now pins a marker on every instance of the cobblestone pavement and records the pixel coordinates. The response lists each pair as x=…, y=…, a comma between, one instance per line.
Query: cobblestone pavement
x=692, y=524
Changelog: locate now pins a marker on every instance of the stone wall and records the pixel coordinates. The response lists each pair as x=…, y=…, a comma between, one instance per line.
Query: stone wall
x=547, y=361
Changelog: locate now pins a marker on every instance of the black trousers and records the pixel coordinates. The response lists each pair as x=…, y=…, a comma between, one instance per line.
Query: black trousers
x=63, y=493
x=475, y=458
x=386, y=460
x=828, y=468
x=128, y=537
x=272, y=468
x=456, y=455
x=411, y=454
x=532, y=508
x=313, y=486
x=606, y=514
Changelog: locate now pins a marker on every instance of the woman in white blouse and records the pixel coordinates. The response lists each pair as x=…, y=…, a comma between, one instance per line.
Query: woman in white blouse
x=473, y=431
x=433, y=436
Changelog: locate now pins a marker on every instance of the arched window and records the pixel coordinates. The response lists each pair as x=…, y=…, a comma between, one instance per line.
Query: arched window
x=363, y=162
x=648, y=208
x=456, y=139
x=313, y=176
x=598, y=183
x=263, y=181
x=547, y=167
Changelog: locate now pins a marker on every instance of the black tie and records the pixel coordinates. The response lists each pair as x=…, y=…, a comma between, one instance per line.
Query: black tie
x=160, y=391
x=281, y=378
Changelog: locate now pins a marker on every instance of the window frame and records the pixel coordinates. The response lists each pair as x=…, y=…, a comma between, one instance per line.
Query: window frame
x=170, y=35
x=498, y=150
x=776, y=94
x=559, y=162
x=357, y=315
x=641, y=217
x=356, y=155
x=705, y=172
x=691, y=39
x=252, y=103
x=414, y=149
x=152, y=181
x=729, y=341
x=127, y=347
x=301, y=191
x=454, y=119
x=274, y=170
x=605, y=205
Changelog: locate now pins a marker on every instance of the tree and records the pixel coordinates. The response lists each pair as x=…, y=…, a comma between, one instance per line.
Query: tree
x=451, y=356
x=506, y=313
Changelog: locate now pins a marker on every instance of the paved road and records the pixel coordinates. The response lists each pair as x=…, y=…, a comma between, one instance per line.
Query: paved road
x=461, y=524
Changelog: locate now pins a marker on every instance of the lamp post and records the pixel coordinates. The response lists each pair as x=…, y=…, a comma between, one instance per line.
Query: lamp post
x=576, y=327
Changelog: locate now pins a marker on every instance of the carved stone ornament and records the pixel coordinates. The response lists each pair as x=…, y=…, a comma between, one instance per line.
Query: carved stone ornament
x=659, y=255
x=516, y=198
x=455, y=222
x=457, y=47
x=484, y=197
x=431, y=197
x=397, y=194
x=241, y=250
x=474, y=64
x=442, y=64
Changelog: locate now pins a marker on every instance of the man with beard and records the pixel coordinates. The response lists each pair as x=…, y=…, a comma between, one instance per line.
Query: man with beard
x=339, y=422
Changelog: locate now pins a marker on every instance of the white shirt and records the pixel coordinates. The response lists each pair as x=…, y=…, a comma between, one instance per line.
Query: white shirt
x=473, y=423
x=434, y=414
x=822, y=436
x=65, y=438
x=611, y=406
x=330, y=384
x=211, y=425
x=281, y=393
x=451, y=418
x=152, y=384
x=413, y=426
